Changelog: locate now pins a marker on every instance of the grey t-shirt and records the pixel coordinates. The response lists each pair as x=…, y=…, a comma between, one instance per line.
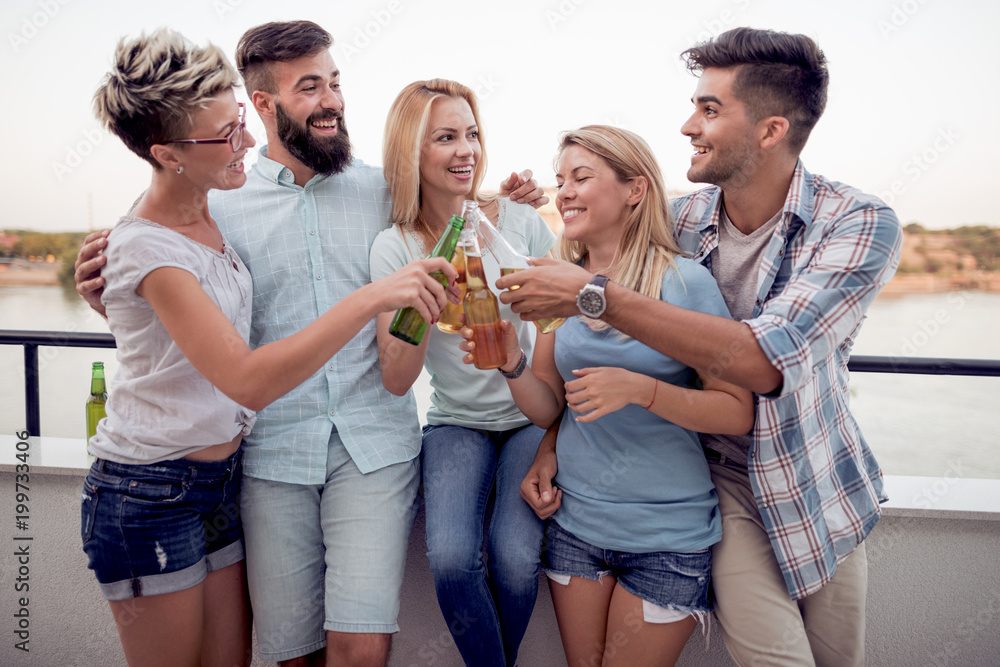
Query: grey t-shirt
x=735, y=265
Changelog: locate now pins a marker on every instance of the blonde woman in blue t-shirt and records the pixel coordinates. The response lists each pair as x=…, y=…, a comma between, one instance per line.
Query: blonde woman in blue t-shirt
x=627, y=552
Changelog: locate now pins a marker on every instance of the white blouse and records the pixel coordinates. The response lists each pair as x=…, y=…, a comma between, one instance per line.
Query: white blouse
x=159, y=407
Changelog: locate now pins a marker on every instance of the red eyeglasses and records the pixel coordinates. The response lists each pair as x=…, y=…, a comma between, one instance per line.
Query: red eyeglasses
x=234, y=138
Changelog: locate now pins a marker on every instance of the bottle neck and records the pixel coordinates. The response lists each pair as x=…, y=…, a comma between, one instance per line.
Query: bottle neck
x=446, y=244
x=97, y=381
x=475, y=273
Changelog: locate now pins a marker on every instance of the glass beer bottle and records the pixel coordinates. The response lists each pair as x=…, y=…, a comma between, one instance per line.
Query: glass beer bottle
x=449, y=321
x=482, y=314
x=510, y=261
x=408, y=325
x=98, y=397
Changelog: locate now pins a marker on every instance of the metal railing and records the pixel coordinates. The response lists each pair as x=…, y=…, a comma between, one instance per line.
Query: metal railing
x=31, y=340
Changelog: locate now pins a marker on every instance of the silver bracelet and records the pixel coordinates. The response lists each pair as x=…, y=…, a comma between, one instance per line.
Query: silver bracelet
x=516, y=373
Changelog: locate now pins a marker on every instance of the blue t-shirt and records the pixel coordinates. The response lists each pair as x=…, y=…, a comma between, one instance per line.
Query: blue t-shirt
x=633, y=481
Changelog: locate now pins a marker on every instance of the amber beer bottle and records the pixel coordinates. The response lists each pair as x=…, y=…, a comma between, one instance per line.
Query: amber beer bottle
x=408, y=325
x=510, y=261
x=482, y=314
x=98, y=397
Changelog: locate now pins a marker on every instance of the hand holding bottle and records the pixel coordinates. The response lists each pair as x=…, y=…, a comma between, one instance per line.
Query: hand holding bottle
x=414, y=287
x=510, y=344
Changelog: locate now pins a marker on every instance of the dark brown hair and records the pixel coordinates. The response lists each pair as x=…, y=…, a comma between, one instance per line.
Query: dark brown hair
x=777, y=74
x=264, y=45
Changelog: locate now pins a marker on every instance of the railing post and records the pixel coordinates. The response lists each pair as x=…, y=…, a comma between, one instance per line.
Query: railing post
x=32, y=400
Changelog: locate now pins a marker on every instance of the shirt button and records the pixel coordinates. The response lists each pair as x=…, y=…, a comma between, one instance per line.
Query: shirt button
x=320, y=277
x=332, y=413
x=330, y=367
x=312, y=232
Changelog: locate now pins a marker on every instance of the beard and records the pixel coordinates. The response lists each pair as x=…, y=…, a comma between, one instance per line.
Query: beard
x=733, y=166
x=326, y=155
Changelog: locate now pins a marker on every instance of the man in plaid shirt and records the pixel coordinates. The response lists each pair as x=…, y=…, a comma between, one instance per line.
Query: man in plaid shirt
x=798, y=259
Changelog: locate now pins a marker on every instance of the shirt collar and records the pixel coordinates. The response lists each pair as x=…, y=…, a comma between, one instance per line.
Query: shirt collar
x=798, y=203
x=279, y=173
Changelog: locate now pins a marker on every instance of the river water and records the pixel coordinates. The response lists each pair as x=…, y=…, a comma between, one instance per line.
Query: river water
x=917, y=425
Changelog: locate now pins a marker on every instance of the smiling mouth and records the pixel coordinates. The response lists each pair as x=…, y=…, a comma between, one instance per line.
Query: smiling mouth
x=570, y=213
x=326, y=124
x=461, y=171
x=700, y=150
x=236, y=164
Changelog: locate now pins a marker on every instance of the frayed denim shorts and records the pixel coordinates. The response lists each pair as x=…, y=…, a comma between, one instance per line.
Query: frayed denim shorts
x=677, y=581
x=162, y=527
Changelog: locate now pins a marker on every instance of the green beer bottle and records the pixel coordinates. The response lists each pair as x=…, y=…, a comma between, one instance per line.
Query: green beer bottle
x=408, y=325
x=96, y=400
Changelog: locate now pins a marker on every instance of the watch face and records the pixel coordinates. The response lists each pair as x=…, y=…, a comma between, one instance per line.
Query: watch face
x=592, y=303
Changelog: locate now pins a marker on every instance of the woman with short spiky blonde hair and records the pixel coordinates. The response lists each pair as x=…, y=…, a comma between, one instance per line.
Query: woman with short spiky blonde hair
x=161, y=503
x=157, y=83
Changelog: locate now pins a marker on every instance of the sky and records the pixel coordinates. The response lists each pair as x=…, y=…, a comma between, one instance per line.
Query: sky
x=911, y=116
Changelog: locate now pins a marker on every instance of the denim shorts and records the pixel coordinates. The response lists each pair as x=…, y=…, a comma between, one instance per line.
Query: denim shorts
x=666, y=579
x=162, y=527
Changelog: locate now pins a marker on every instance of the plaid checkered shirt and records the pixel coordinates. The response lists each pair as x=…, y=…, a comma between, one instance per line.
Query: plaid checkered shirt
x=306, y=249
x=817, y=484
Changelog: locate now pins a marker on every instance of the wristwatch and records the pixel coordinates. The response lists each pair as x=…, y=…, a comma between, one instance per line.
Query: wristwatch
x=591, y=300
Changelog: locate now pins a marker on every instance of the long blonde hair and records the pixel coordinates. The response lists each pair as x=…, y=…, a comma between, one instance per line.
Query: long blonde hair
x=647, y=246
x=405, y=128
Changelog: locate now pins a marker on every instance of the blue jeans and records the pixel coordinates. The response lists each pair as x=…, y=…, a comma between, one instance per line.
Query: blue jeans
x=486, y=605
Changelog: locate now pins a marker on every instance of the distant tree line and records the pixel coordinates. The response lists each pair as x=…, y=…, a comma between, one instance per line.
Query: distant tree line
x=62, y=245
x=980, y=241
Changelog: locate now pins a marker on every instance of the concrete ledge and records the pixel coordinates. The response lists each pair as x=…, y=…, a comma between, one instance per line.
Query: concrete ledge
x=46, y=455
x=957, y=495
x=943, y=497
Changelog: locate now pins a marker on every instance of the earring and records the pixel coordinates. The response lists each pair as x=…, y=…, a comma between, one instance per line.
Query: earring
x=180, y=169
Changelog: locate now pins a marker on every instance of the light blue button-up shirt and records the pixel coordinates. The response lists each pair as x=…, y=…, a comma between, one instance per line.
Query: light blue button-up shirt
x=306, y=249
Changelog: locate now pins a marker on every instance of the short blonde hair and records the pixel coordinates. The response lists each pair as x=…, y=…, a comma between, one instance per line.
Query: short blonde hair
x=647, y=246
x=405, y=128
x=155, y=84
